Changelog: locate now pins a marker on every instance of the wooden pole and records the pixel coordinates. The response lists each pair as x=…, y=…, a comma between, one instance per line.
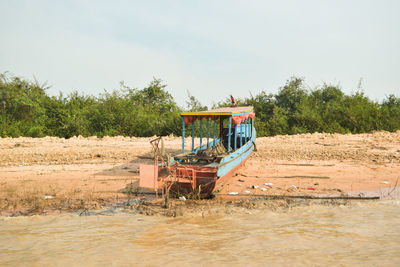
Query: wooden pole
x=192, y=133
x=201, y=131
x=235, y=136
x=214, y=132
x=241, y=132
x=229, y=133
x=245, y=131
x=208, y=131
x=183, y=134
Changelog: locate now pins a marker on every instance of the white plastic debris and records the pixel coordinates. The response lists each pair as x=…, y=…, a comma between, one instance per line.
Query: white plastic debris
x=239, y=184
x=233, y=193
x=385, y=182
x=47, y=197
x=263, y=189
x=254, y=186
x=182, y=198
x=247, y=191
x=294, y=187
x=268, y=184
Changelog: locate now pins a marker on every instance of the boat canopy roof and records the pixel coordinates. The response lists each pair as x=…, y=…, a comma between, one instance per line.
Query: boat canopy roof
x=226, y=111
x=239, y=114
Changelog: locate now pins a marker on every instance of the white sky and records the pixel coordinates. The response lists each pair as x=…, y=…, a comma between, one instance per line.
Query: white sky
x=211, y=48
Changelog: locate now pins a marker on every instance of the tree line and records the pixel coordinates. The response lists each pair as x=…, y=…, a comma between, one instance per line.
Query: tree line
x=27, y=110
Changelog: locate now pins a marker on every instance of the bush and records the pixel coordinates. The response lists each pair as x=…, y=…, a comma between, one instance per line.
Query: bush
x=26, y=110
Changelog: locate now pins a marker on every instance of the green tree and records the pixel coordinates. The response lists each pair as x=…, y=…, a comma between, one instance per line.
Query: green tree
x=389, y=116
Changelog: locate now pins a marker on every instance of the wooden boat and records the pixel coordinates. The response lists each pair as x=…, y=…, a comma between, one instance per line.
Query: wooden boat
x=199, y=169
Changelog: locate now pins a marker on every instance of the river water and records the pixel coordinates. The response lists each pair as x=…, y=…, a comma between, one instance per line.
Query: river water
x=360, y=234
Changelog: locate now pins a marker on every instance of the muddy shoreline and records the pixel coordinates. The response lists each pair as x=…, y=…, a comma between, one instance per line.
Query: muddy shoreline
x=54, y=175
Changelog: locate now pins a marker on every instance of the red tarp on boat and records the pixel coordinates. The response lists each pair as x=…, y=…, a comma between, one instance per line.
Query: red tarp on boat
x=189, y=119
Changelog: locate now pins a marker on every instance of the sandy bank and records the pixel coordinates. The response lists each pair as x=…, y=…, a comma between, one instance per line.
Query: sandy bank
x=56, y=174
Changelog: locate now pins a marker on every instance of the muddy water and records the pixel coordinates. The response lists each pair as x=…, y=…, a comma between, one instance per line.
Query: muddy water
x=366, y=234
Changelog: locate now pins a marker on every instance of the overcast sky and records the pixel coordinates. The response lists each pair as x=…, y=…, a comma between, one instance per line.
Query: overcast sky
x=211, y=48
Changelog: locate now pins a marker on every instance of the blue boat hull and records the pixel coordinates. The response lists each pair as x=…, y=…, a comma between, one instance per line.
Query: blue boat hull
x=216, y=172
x=236, y=158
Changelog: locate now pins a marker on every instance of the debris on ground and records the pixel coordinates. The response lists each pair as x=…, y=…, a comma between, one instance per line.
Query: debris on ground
x=133, y=202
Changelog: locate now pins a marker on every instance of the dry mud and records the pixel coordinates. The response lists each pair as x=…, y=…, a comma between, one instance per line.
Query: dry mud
x=42, y=175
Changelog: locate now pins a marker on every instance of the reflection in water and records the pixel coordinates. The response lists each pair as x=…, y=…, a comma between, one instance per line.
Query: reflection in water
x=360, y=234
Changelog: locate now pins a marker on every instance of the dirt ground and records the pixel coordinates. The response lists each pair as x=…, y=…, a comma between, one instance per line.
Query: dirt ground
x=54, y=174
